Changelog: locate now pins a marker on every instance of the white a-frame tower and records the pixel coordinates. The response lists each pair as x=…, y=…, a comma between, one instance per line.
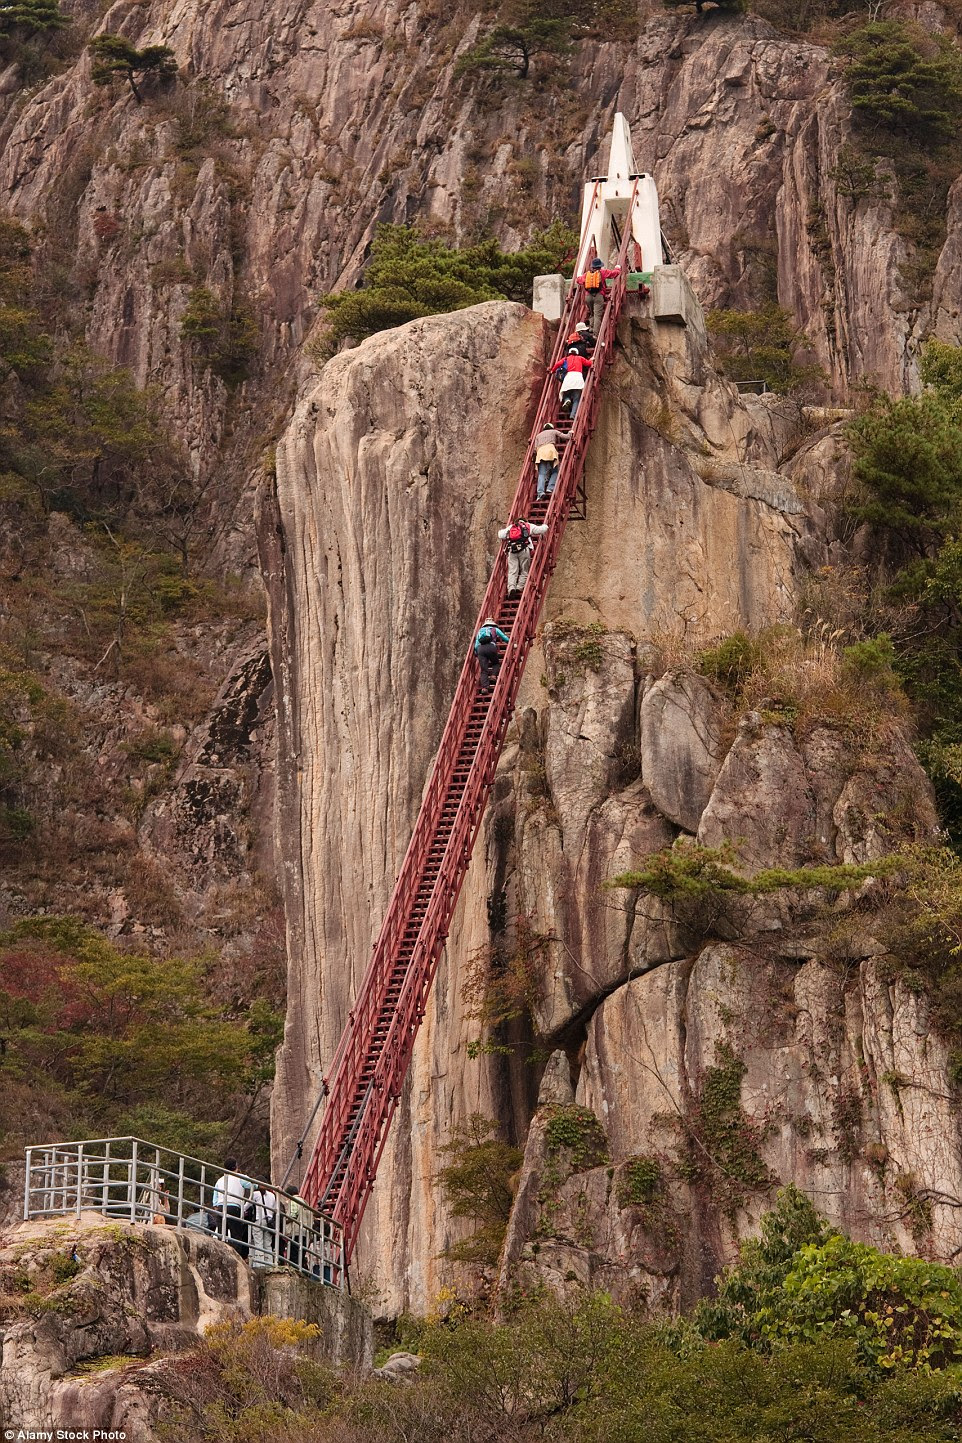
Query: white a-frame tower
x=608, y=201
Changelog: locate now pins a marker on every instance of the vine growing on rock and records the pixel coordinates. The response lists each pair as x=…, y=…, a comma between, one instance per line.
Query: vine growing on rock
x=719, y=1146
x=575, y=1142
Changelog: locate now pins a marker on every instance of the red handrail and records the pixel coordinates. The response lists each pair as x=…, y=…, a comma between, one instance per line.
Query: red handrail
x=369, y=1066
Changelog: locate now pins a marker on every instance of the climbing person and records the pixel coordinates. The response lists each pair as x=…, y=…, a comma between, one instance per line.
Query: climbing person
x=230, y=1190
x=582, y=338
x=518, y=536
x=546, y=459
x=486, y=650
x=587, y=337
x=573, y=367
x=595, y=281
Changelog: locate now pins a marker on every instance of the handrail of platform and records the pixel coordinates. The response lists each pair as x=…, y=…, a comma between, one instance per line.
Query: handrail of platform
x=130, y=1180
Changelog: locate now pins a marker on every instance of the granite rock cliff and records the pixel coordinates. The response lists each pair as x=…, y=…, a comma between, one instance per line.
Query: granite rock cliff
x=293, y=130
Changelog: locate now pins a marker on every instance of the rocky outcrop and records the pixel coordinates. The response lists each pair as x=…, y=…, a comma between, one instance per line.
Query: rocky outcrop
x=76, y=1292
x=91, y=1312
x=681, y=746
x=611, y=755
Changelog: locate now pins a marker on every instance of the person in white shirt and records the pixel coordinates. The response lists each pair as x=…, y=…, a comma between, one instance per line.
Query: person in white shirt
x=229, y=1194
x=263, y=1203
x=518, y=535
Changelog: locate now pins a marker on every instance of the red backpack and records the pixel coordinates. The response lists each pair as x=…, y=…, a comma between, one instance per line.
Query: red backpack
x=518, y=536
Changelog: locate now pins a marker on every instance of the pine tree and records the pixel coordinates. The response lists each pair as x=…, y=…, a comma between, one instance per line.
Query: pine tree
x=34, y=16
x=115, y=58
x=904, y=81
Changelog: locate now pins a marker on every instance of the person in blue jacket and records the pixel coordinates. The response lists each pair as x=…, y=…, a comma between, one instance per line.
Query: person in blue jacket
x=486, y=650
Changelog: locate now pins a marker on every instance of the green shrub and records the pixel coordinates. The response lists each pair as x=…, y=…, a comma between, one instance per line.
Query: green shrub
x=476, y=1184
x=940, y=367
x=63, y=1267
x=761, y=346
x=731, y=662
x=410, y=275
x=897, y=1311
x=225, y=338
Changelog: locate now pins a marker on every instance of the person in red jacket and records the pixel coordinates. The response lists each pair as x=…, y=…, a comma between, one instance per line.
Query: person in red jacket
x=595, y=281
x=574, y=367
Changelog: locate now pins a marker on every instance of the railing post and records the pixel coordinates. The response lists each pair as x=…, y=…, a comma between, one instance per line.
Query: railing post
x=180, y=1193
x=133, y=1181
x=28, y=1173
x=80, y=1176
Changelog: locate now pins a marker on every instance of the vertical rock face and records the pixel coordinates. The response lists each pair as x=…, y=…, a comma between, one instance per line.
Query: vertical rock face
x=388, y=511
x=382, y=539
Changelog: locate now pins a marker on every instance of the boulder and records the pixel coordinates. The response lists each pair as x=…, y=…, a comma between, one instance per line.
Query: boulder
x=681, y=746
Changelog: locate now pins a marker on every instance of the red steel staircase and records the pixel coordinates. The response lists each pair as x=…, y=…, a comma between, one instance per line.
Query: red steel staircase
x=367, y=1072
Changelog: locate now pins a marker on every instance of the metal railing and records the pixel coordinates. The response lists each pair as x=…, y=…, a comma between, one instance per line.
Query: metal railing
x=760, y=387
x=130, y=1180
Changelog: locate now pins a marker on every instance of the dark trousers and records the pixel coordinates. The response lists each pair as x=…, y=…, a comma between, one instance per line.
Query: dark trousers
x=236, y=1230
x=490, y=663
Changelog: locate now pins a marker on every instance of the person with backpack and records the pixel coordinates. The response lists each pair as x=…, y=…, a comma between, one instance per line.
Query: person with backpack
x=573, y=367
x=546, y=459
x=518, y=536
x=486, y=650
x=587, y=338
x=595, y=281
x=582, y=338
